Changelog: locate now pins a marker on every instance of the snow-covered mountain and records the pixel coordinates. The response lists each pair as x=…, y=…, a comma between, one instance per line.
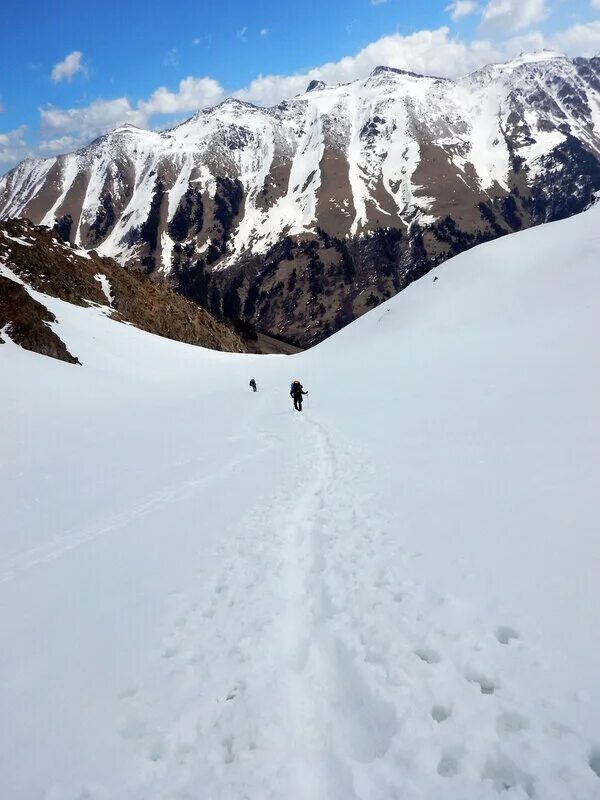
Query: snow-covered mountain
x=208, y=595
x=300, y=217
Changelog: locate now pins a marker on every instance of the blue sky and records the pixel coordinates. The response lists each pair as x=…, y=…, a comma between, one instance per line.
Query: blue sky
x=71, y=70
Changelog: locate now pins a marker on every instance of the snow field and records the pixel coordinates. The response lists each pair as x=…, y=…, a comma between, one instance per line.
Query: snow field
x=392, y=595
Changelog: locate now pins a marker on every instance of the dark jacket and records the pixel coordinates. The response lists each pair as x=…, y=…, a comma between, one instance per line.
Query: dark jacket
x=296, y=390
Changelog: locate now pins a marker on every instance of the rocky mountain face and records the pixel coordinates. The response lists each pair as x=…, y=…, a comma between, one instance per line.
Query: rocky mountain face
x=35, y=263
x=300, y=217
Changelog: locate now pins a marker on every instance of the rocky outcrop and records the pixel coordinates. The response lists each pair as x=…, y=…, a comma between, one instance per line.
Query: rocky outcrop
x=40, y=260
x=25, y=321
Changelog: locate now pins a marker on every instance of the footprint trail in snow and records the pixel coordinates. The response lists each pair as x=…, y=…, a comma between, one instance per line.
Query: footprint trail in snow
x=318, y=666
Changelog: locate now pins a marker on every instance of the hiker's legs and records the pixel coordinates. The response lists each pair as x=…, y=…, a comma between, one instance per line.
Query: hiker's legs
x=298, y=403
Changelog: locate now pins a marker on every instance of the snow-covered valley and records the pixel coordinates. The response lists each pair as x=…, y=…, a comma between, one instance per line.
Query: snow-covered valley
x=209, y=596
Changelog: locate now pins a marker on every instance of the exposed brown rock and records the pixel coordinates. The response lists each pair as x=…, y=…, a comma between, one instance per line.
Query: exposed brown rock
x=49, y=193
x=72, y=205
x=49, y=265
x=25, y=321
x=335, y=208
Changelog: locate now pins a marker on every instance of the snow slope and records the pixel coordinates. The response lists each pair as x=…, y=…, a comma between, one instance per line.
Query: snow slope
x=207, y=595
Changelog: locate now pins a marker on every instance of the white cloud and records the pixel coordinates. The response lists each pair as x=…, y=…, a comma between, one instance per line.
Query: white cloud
x=513, y=15
x=13, y=146
x=242, y=34
x=193, y=93
x=462, y=8
x=264, y=31
x=595, y=4
x=68, y=67
x=433, y=52
x=90, y=121
x=580, y=40
x=430, y=52
x=62, y=144
x=378, y=2
x=101, y=116
x=1, y=106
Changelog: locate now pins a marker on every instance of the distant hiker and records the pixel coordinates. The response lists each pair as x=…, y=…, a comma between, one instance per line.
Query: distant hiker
x=253, y=385
x=296, y=391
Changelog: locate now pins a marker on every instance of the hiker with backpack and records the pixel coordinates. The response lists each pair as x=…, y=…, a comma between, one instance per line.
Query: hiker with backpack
x=253, y=385
x=296, y=392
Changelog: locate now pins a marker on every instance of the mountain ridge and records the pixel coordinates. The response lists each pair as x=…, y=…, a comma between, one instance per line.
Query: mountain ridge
x=299, y=217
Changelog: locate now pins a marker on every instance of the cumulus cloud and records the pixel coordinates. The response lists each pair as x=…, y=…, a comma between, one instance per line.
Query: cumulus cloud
x=90, y=121
x=192, y=94
x=433, y=52
x=61, y=128
x=513, y=15
x=581, y=40
x=62, y=144
x=578, y=40
x=595, y=4
x=461, y=8
x=68, y=67
x=13, y=146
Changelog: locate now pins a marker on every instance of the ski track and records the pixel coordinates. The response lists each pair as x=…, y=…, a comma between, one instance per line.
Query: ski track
x=359, y=684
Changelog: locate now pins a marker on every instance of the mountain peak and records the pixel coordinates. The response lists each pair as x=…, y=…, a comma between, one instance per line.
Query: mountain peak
x=235, y=102
x=127, y=127
x=536, y=56
x=228, y=103
x=315, y=86
x=493, y=71
x=384, y=70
